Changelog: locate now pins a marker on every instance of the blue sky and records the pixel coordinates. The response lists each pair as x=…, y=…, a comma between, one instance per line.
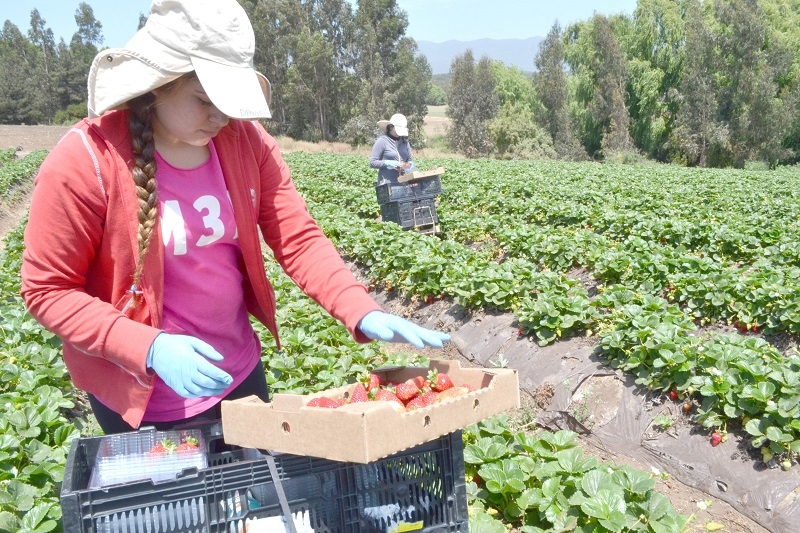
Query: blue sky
x=428, y=20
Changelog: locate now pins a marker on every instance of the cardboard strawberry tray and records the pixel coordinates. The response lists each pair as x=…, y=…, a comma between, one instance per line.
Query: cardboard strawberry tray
x=366, y=431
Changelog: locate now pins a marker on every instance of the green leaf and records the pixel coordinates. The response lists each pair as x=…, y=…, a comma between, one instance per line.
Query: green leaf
x=608, y=508
x=481, y=522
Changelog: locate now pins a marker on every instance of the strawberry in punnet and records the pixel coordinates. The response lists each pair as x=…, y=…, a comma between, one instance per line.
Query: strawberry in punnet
x=359, y=394
x=423, y=400
x=190, y=444
x=419, y=381
x=452, y=392
x=406, y=390
x=162, y=447
x=439, y=381
x=322, y=401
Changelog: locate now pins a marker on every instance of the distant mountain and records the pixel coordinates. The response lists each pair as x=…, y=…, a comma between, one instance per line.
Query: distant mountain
x=516, y=52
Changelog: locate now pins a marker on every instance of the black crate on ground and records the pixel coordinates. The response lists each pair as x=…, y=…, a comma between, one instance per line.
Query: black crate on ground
x=410, y=213
x=413, y=190
x=422, y=489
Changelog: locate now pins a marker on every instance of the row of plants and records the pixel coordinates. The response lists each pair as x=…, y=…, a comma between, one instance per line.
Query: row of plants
x=543, y=482
x=643, y=287
x=38, y=400
x=14, y=172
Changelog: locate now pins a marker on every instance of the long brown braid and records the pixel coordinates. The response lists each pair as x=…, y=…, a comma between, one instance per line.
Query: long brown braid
x=144, y=174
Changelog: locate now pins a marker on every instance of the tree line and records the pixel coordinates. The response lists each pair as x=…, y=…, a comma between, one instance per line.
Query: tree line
x=696, y=82
x=693, y=82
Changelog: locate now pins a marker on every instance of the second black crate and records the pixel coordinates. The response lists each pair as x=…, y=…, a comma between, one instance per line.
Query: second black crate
x=410, y=213
x=422, y=489
x=414, y=190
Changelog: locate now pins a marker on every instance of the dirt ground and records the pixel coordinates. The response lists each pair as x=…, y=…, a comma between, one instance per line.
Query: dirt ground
x=685, y=499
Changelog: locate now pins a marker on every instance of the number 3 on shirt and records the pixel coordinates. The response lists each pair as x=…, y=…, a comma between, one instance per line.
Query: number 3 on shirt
x=173, y=224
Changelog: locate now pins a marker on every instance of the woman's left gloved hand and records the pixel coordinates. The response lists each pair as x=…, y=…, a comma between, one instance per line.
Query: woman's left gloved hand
x=378, y=325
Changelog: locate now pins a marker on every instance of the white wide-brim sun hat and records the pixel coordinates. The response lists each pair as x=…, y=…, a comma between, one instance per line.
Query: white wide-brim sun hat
x=214, y=38
x=398, y=121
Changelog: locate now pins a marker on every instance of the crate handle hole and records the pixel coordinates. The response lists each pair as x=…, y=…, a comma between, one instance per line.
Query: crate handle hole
x=476, y=404
x=426, y=421
x=286, y=427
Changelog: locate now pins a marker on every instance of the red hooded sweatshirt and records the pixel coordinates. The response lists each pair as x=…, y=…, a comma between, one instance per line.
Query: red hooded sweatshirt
x=81, y=253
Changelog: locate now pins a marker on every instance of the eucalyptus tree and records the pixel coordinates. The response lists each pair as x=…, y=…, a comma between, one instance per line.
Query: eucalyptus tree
x=699, y=137
x=600, y=73
x=18, y=82
x=74, y=60
x=471, y=103
x=751, y=68
x=44, y=62
x=392, y=76
x=656, y=47
x=552, y=89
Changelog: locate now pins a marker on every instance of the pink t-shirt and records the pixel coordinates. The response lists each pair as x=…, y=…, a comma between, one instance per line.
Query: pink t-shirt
x=203, y=294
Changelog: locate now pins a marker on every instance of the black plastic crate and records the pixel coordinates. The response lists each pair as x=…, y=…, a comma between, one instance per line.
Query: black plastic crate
x=416, y=190
x=410, y=213
x=422, y=489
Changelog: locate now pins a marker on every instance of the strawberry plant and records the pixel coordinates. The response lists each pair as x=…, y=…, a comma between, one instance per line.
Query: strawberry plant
x=544, y=482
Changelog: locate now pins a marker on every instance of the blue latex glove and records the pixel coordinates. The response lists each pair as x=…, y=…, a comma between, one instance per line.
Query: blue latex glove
x=182, y=362
x=388, y=163
x=378, y=325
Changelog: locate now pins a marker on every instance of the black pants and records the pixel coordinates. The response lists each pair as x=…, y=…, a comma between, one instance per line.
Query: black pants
x=111, y=421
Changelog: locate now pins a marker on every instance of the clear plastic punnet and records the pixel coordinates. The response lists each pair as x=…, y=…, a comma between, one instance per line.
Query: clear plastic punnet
x=147, y=454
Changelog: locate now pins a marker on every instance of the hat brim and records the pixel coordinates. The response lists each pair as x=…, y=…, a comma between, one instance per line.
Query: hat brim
x=238, y=92
x=383, y=123
x=118, y=75
x=401, y=131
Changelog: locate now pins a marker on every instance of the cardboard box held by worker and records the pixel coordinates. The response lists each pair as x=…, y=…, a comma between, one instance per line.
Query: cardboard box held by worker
x=410, y=177
x=368, y=431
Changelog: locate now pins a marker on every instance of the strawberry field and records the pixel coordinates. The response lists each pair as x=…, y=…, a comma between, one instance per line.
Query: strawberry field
x=672, y=255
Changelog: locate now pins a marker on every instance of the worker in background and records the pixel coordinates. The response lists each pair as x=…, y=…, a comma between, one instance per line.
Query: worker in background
x=391, y=153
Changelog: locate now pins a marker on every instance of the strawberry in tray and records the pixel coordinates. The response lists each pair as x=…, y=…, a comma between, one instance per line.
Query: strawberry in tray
x=162, y=447
x=190, y=444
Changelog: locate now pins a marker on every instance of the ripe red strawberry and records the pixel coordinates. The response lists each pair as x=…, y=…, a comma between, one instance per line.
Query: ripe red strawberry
x=419, y=381
x=359, y=394
x=322, y=401
x=423, y=400
x=162, y=447
x=716, y=438
x=373, y=382
x=439, y=381
x=189, y=444
x=406, y=390
x=385, y=395
x=673, y=395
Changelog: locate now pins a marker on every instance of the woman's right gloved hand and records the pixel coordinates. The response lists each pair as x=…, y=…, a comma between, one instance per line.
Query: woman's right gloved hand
x=182, y=362
x=388, y=163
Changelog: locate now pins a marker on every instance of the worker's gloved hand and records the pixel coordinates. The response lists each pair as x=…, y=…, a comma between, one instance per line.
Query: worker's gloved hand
x=182, y=362
x=378, y=325
x=388, y=163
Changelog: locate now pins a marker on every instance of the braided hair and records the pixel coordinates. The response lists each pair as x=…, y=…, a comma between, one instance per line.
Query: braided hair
x=144, y=173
